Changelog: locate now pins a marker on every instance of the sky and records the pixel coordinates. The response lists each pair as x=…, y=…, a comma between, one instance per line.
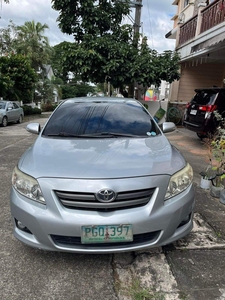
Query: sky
x=155, y=19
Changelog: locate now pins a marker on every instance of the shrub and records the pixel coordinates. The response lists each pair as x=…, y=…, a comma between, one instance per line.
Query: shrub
x=48, y=106
x=28, y=110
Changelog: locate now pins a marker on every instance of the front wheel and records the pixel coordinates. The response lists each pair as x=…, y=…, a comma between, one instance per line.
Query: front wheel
x=20, y=119
x=4, y=121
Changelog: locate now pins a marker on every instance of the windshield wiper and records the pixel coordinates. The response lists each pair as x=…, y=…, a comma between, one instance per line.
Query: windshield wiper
x=65, y=134
x=92, y=135
x=113, y=134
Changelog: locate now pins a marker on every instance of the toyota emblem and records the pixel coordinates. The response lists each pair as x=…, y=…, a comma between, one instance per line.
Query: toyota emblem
x=106, y=195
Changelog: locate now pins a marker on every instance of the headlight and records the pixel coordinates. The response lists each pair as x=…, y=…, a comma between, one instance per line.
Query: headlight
x=27, y=186
x=179, y=182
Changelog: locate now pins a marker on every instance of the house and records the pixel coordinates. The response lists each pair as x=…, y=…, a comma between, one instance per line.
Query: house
x=199, y=32
x=43, y=95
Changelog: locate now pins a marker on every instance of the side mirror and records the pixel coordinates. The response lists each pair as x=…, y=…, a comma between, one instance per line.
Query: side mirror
x=34, y=128
x=168, y=127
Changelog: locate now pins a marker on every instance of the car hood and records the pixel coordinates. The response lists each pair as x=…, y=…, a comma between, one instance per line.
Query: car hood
x=101, y=158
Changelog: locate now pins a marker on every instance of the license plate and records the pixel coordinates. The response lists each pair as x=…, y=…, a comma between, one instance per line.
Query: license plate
x=193, y=112
x=106, y=234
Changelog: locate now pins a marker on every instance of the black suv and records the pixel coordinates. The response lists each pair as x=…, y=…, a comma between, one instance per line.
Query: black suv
x=199, y=116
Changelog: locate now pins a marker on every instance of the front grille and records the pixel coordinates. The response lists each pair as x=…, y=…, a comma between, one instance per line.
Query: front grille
x=88, y=201
x=72, y=241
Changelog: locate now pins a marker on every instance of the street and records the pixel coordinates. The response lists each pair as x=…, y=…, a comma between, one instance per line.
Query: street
x=191, y=268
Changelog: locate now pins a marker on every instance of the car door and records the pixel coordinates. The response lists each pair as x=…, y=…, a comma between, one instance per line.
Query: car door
x=16, y=111
x=10, y=112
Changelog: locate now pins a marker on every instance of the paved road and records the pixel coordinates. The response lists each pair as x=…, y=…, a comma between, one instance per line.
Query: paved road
x=192, y=268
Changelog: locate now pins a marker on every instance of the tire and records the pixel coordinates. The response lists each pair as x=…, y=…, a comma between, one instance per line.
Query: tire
x=201, y=135
x=4, y=121
x=174, y=115
x=20, y=120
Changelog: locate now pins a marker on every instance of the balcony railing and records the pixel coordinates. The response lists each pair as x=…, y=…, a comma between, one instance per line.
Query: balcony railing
x=188, y=30
x=211, y=16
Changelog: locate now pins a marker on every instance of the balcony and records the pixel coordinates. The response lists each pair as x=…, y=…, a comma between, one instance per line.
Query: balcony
x=188, y=30
x=210, y=17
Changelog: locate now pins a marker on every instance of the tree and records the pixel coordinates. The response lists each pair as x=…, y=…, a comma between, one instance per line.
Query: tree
x=7, y=38
x=32, y=43
x=152, y=67
x=90, y=17
x=29, y=40
x=76, y=90
x=17, y=78
x=56, y=61
x=104, y=50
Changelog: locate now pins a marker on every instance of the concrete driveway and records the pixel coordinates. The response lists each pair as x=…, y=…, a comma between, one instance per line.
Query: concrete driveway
x=192, y=268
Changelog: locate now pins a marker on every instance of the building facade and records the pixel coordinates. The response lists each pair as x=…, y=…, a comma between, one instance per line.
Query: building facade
x=199, y=31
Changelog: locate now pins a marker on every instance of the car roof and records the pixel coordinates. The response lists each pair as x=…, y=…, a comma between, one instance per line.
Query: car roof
x=101, y=100
x=213, y=88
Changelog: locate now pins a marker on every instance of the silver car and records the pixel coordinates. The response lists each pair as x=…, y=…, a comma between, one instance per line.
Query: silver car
x=10, y=112
x=101, y=177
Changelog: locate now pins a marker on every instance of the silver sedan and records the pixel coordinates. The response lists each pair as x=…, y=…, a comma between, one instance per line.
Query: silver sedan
x=10, y=112
x=101, y=177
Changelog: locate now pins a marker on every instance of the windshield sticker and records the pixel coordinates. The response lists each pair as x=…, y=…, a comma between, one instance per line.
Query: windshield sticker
x=153, y=133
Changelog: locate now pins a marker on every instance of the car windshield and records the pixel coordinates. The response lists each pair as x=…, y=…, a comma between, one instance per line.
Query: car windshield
x=204, y=97
x=100, y=119
x=2, y=105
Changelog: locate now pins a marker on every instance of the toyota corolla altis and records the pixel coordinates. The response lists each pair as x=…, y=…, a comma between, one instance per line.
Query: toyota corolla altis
x=101, y=177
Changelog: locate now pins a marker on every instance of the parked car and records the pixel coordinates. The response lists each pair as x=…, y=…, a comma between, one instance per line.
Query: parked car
x=101, y=177
x=199, y=116
x=10, y=112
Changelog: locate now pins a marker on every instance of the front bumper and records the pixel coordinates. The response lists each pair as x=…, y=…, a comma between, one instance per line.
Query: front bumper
x=57, y=228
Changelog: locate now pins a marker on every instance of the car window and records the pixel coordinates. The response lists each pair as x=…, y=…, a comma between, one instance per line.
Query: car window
x=10, y=105
x=204, y=97
x=91, y=118
x=15, y=105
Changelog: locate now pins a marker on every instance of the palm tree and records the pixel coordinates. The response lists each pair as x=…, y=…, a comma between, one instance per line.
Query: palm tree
x=32, y=42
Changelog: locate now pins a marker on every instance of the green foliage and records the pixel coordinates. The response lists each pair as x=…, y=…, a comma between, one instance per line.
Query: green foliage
x=136, y=291
x=215, y=143
x=152, y=67
x=7, y=38
x=104, y=49
x=76, y=90
x=104, y=57
x=17, y=78
x=31, y=42
x=48, y=106
x=28, y=42
x=44, y=90
x=57, y=58
x=28, y=110
x=90, y=17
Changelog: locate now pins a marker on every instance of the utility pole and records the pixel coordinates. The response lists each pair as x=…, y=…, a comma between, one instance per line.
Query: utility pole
x=137, y=25
x=137, y=21
x=137, y=4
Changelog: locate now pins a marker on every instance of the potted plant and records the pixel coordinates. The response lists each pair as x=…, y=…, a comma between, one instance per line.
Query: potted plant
x=218, y=156
x=208, y=174
x=206, y=177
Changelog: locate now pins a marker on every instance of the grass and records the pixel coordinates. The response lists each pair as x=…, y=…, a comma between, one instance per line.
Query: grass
x=137, y=292
x=140, y=293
